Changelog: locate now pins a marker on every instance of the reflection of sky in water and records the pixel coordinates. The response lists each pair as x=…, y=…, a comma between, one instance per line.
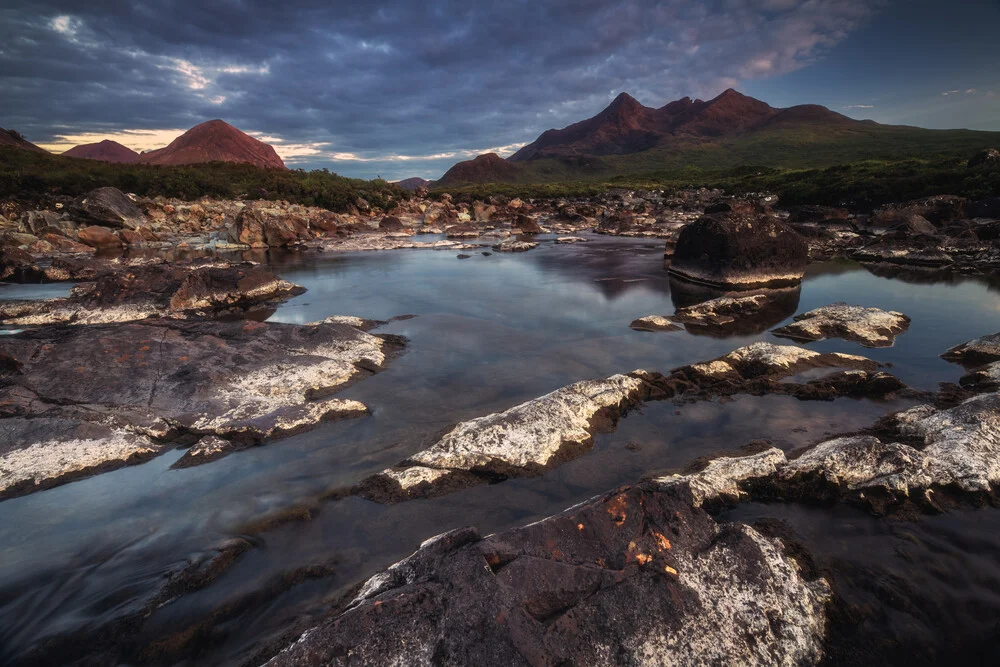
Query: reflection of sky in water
x=490, y=332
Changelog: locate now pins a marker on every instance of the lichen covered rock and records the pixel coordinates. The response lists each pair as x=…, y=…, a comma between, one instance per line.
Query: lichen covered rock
x=871, y=327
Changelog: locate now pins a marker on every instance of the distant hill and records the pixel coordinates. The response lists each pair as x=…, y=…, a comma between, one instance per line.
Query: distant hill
x=215, y=140
x=488, y=168
x=15, y=140
x=412, y=184
x=730, y=130
x=106, y=151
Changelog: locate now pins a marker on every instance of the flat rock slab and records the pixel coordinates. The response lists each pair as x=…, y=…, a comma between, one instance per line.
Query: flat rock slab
x=160, y=290
x=242, y=381
x=870, y=327
x=639, y=576
x=524, y=440
x=978, y=350
x=515, y=246
x=721, y=310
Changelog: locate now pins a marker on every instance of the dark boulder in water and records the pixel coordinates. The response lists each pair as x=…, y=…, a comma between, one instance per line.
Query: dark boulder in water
x=740, y=251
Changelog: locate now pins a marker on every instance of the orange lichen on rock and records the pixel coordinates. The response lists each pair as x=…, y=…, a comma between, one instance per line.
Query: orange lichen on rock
x=616, y=509
x=661, y=540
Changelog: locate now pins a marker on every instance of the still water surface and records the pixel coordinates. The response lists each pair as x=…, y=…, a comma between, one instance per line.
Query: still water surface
x=489, y=332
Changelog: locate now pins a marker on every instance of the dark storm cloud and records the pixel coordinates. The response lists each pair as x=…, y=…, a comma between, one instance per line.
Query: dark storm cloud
x=363, y=85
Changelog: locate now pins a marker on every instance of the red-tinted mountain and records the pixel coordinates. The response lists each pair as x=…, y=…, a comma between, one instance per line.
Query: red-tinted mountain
x=488, y=168
x=214, y=141
x=106, y=151
x=626, y=126
x=15, y=140
x=412, y=184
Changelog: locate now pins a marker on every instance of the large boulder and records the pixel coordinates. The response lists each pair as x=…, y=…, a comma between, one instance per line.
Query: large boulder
x=99, y=237
x=939, y=210
x=259, y=229
x=391, y=223
x=109, y=207
x=526, y=224
x=738, y=251
x=18, y=266
x=639, y=576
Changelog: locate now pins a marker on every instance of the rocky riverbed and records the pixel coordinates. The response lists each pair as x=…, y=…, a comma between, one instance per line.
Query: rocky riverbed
x=559, y=366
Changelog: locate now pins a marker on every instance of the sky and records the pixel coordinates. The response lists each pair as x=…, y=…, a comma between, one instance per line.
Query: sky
x=400, y=88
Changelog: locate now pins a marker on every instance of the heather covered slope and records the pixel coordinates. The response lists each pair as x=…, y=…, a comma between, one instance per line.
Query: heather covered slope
x=14, y=139
x=731, y=130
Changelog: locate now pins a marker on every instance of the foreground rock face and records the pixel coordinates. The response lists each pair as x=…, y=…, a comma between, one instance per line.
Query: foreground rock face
x=159, y=290
x=639, y=576
x=524, y=440
x=98, y=396
x=740, y=251
x=871, y=327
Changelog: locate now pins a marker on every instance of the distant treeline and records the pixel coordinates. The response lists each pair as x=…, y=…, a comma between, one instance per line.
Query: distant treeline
x=35, y=176
x=860, y=186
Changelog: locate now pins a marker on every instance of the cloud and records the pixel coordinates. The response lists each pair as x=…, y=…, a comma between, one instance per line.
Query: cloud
x=859, y=106
x=388, y=85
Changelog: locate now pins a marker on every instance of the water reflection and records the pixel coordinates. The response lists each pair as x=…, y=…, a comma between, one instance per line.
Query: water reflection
x=782, y=304
x=490, y=332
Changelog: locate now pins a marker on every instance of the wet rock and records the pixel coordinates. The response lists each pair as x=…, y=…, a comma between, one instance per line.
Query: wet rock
x=208, y=448
x=526, y=224
x=938, y=451
x=654, y=323
x=903, y=252
x=100, y=238
x=738, y=251
x=245, y=382
x=571, y=239
x=38, y=453
x=724, y=480
x=638, y=576
x=462, y=231
x=167, y=290
x=722, y=310
x=978, y=350
x=17, y=265
x=40, y=222
x=61, y=244
x=109, y=207
x=522, y=441
x=391, y=224
x=871, y=327
x=986, y=378
x=514, y=245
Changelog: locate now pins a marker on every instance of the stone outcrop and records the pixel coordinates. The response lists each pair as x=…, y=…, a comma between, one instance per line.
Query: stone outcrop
x=739, y=251
x=80, y=399
x=979, y=350
x=158, y=290
x=870, y=327
x=522, y=441
x=638, y=576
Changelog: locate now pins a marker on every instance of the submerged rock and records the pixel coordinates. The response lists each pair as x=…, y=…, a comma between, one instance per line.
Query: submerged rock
x=871, y=327
x=242, y=381
x=638, y=576
x=740, y=251
x=159, y=290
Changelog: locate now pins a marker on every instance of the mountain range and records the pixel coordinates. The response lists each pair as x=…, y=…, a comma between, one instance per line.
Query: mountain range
x=211, y=141
x=727, y=131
